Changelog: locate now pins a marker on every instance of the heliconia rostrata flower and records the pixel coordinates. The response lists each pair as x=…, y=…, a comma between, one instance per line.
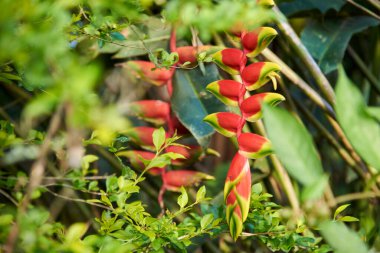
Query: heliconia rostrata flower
x=155, y=111
x=159, y=113
x=237, y=188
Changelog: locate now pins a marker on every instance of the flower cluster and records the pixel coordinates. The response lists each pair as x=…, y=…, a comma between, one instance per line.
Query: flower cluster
x=235, y=93
x=158, y=113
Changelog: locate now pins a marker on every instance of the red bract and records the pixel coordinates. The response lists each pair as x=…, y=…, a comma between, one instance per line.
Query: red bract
x=237, y=193
x=134, y=157
x=230, y=60
x=226, y=123
x=142, y=136
x=175, y=179
x=147, y=71
x=251, y=107
x=155, y=111
x=256, y=41
x=191, y=153
x=254, y=146
x=190, y=53
x=227, y=91
x=258, y=74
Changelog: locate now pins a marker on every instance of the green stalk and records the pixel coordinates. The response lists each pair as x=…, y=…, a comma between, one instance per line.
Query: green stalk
x=305, y=56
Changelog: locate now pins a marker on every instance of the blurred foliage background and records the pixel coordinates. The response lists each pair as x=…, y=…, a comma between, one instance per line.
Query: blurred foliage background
x=64, y=97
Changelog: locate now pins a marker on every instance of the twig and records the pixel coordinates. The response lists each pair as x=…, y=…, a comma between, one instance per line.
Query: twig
x=356, y=196
x=305, y=56
x=375, y=3
x=36, y=174
x=5, y=194
x=371, y=78
x=77, y=200
x=361, y=7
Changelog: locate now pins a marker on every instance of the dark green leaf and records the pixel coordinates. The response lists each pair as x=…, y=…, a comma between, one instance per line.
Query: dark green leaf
x=294, y=145
x=361, y=128
x=117, y=36
x=290, y=8
x=328, y=40
x=342, y=239
x=191, y=102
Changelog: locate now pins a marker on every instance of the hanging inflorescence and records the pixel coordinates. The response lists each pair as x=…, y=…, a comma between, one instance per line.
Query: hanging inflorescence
x=235, y=93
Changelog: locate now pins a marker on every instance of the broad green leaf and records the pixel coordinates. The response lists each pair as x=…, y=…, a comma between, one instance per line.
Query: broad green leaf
x=183, y=198
x=340, y=209
x=348, y=219
x=293, y=145
x=362, y=130
x=315, y=190
x=191, y=102
x=342, y=239
x=206, y=220
x=327, y=40
x=159, y=138
x=257, y=188
x=374, y=112
x=290, y=8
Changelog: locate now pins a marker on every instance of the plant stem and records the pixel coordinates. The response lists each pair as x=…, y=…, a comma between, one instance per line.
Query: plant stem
x=361, y=7
x=299, y=82
x=36, y=175
x=356, y=196
x=363, y=67
x=305, y=56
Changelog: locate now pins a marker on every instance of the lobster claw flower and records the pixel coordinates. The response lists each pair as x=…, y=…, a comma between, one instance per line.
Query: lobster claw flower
x=251, y=107
x=142, y=136
x=231, y=60
x=258, y=74
x=173, y=180
x=265, y=3
x=237, y=194
x=227, y=91
x=155, y=111
x=147, y=71
x=256, y=41
x=191, y=153
x=254, y=146
x=226, y=123
x=190, y=53
x=134, y=157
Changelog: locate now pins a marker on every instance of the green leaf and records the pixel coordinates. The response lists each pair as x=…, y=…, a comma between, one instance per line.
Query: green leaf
x=191, y=102
x=348, y=219
x=183, y=198
x=76, y=231
x=173, y=155
x=159, y=138
x=327, y=40
x=340, y=209
x=201, y=194
x=342, y=239
x=206, y=220
x=257, y=188
x=290, y=8
x=315, y=190
x=362, y=130
x=293, y=145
